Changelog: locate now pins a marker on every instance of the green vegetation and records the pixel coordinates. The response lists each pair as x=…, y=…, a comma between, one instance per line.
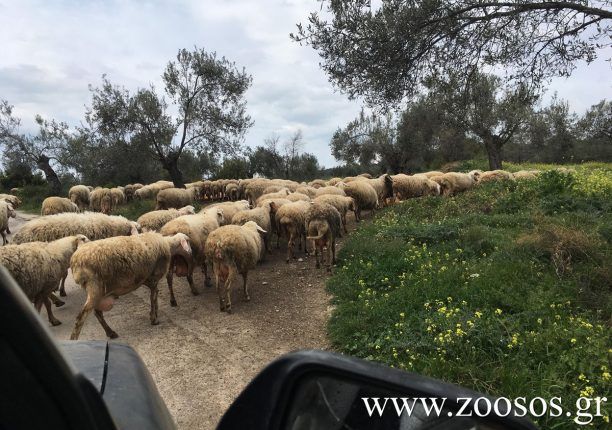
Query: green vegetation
x=504, y=288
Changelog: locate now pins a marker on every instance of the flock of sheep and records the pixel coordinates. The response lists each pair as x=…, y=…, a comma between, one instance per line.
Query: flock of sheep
x=111, y=256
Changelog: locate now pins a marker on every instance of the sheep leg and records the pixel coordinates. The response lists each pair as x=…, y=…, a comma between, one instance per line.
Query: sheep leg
x=62, y=289
x=109, y=331
x=218, y=285
x=93, y=295
x=154, y=306
x=245, y=288
x=54, y=321
x=169, y=278
x=4, y=241
x=290, y=247
x=207, y=282
x=344, y=222
x=57, y=302
x=316, y=251
x=227, y=288
x=333, y=247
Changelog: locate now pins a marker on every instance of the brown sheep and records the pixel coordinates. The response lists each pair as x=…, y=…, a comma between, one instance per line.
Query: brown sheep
x=364, y=194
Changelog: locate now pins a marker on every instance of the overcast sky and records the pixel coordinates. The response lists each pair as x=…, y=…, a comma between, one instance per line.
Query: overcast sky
x=52, y=50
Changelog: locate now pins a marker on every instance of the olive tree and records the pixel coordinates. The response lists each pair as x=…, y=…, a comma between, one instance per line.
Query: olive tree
x=42, y=150
x=384, y=52
x=205, y=110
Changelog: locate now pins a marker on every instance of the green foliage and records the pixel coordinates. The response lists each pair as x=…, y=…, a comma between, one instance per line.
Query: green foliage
x=501, y=288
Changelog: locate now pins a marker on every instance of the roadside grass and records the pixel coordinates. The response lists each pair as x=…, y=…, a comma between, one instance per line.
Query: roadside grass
x=505, y=289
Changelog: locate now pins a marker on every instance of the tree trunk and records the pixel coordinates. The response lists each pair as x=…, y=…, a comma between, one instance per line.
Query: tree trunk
x=171, y=165
x=493, y=147
x=43, y=164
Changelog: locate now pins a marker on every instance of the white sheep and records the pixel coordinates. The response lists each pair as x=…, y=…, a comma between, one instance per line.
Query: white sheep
x=234, y=250
x=197, y=228
x=57, y=205
x=93, y=225
x=155, y=220
x=39, y=267
x=6, y=212
x=79, y=195
x=113, y=267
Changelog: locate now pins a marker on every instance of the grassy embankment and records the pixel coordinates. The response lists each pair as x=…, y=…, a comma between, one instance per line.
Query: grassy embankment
x=505, y=289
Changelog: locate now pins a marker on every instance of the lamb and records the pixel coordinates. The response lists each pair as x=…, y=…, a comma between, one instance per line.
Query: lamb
x=38, y=268
x=113, y=267
x=175, y=198
x=79, y=195
x=6, y=212
x=229, y=209
x=197, y=228
x=290, y=222
x=101, y=200
x=322, y=227
x=260, y=215
x=234, y=249
x=452, y=183
x=383, y=186
x=341, y=203
x=93, y=225
x=364, y=194
x=405, y=187
x=155, y=220
x=57, y=205
x=494, y=175
x=294, y=197
x=329, y=190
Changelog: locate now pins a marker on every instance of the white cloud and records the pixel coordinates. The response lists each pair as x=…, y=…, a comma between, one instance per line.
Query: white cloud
x=52, y=51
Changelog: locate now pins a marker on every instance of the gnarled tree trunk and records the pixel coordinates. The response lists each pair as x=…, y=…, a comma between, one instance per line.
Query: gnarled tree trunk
x=43, y=164
x=171, y=165
x=493, y=145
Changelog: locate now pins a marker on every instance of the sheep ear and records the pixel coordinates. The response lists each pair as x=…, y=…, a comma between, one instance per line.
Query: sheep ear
x=261, y=230
x=185, y=245
x=134, y=230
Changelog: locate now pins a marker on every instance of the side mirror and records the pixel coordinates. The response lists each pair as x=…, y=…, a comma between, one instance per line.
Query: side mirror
x=316, y=390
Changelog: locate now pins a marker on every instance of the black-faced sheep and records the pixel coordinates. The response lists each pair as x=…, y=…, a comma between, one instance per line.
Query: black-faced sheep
x=113, y=267
x=234, y=250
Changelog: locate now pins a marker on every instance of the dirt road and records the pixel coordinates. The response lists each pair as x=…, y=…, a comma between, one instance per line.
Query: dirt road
x=199, y=357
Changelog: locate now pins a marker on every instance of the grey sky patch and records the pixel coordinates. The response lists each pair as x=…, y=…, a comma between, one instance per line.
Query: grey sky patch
x=52, y=51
